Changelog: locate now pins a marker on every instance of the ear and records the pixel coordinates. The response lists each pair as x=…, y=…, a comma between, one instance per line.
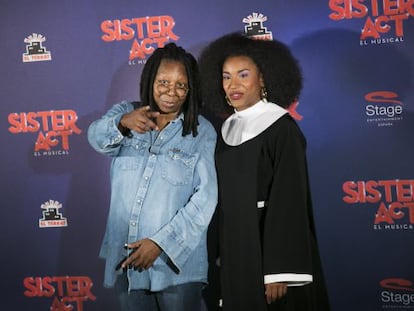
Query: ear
x=262, y=84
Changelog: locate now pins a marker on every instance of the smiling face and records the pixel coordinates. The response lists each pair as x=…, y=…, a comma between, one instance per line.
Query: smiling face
x=170, y=87
x=242, y=82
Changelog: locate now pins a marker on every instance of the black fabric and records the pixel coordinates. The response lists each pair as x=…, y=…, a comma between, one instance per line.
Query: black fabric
x=278, y=238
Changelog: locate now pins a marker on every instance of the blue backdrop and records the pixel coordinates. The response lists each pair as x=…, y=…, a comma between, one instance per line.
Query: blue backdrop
x=64, y=63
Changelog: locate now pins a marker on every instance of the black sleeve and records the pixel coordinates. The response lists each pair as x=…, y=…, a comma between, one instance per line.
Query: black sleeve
x=286, y=234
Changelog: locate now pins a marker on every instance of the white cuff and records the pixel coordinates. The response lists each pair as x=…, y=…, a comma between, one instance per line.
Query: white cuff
x=292, y=279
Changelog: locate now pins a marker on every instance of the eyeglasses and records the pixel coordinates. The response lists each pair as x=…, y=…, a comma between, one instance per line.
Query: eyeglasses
x=180, y=89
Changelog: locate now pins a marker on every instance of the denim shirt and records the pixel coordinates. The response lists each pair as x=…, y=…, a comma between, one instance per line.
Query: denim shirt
x=164, y=187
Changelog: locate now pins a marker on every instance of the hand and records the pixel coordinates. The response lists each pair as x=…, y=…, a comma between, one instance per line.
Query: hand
x=139, y=120
x=274, y=291
x=144, y=253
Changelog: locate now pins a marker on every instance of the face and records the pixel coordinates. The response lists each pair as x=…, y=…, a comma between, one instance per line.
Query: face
x=170, y=87
x=242, y=82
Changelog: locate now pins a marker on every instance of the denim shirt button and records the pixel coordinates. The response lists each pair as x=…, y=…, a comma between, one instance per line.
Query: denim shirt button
x=133, y=223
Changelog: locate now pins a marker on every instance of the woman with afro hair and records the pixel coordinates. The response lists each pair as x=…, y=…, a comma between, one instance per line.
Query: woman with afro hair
x=268, y=253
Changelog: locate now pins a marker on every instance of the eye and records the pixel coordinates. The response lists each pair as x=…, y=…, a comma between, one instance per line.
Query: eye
x=244, y=74
x=164, y=82
x=226, y=76
x=180, y=85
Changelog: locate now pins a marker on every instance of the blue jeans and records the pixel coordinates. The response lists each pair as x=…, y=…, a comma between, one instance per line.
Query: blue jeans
x=183, y=297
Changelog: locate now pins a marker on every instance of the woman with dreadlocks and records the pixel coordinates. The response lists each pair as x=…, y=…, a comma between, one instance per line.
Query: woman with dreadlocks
x=268, y=254
x=164, y=190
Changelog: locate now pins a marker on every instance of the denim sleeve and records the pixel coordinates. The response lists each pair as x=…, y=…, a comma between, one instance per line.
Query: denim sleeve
x=188, y=227
x=103, y=134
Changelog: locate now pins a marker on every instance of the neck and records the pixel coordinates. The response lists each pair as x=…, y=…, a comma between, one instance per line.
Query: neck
x=164, y=118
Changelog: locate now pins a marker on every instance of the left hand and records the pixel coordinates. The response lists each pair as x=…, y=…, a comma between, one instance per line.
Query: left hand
x=274, y=291
x=144, y=253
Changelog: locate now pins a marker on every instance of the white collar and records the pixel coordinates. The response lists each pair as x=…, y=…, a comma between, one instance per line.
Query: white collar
x=248, y=123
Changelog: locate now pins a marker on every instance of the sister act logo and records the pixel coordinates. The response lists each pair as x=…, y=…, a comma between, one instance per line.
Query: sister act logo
x=384, y=20
x=68, y=293
x=146, y=33
x=394, y=201
x=54, y=128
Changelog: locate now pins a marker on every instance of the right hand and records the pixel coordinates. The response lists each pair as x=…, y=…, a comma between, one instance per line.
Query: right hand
x=139, y=120
x=275, y=291
x=144, y=253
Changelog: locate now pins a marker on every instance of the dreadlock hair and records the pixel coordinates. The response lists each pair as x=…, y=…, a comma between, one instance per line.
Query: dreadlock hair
x=280, y=70
x=190, y=107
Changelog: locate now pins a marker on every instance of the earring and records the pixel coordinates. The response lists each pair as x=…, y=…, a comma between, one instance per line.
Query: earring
x=263, y=94
x=228, y=101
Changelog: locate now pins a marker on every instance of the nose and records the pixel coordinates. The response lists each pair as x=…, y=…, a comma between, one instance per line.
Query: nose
x=231, y=83
x=171, y=90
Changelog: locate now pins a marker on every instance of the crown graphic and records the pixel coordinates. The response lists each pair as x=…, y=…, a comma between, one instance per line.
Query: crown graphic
x=35, y=37
x=254, y=17
x=51, y=204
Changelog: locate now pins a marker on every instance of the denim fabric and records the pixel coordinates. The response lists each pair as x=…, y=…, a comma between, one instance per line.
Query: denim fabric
x=164, y=187
x=185, y=297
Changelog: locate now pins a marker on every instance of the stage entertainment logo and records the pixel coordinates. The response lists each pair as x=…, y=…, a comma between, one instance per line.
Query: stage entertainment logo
x=54, y=128
x=392, y=199
x=397, y=294
x=51, y=215
x=383, y=108
x=35, y=51
x=384, y=20
x=67, y=292
x=147, y=34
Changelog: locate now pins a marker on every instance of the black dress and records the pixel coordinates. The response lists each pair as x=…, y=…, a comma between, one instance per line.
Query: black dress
x=278, y=238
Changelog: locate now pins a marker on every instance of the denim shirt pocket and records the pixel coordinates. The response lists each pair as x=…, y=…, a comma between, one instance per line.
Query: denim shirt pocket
x=132, y=151
x=178, y=167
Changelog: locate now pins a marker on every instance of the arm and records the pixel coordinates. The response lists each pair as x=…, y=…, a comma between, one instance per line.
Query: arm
x=286, y=243
x=183, y=233
x=104, y=135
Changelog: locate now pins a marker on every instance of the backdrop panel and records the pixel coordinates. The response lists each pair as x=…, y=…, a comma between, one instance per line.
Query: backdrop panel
x=64, y=63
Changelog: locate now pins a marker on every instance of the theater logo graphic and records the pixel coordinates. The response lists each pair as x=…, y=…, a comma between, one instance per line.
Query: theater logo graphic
x=35, y=51
x=397, y=294
x=51, y=215
x=255, y=29
x=68, y=293
x=146, y=34
x=383, y=108
x=384, y=21
x=393, y=201
x=54, y=127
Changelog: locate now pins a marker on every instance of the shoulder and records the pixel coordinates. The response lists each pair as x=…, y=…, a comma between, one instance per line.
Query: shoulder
x=123, y=106
x=128, y=105
x=205, y=126
x=286, y=127
x=286, y=122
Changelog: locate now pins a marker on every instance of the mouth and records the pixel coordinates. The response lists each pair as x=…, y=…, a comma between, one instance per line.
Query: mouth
x=168, y=104
x=168, y=101
x=235, y=95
